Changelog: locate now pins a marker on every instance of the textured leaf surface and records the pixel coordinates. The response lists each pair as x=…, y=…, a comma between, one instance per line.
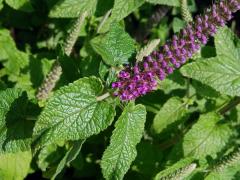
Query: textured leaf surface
x=221, y=72
x=115, y=47
x=73, y=113
x=72, y=8
x=119, y=155
x=122, y=8
x=206, y=137
x=165, y=2
x=15, y=166
x=69, y=157
x=15, y=130
x=172, y=111
x=23, y=5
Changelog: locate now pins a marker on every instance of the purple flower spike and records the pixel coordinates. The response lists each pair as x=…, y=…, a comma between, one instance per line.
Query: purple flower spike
x=142, y=77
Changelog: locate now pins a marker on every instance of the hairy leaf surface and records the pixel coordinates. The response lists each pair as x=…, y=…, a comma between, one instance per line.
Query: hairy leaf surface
x=221, y=72
x=119, y=155
x=74, y=113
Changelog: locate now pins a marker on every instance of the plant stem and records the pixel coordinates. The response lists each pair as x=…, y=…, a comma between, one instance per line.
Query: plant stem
x=233, y=103
x=106, y=16
x=104, y=96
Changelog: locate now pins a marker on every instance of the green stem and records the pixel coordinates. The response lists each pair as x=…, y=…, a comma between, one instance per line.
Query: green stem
x=104, y=96
x=232, y=104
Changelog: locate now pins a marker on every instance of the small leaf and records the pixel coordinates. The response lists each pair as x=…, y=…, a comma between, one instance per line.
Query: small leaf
x=165, y=2
x=115, y=47
x=172, y=111
x=119, y=155
x=69, y=157
x=16, y=131
x=15, y=166
x=22, y=5
x=222, y=72
x=74, y=113
x=72, y=8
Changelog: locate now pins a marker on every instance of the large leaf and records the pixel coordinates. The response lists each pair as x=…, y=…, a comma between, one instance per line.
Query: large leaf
x=72, y=8
x=15, y=165
x=15, y=130
x=119, y=155
x=115, y=47
x=165, y=2
x=23, y=5
x=221, y=72
x=172, y=111
x=207, y=137
x=74, y=113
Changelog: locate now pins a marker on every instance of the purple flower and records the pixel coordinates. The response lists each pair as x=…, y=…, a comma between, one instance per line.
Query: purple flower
x=142, y=78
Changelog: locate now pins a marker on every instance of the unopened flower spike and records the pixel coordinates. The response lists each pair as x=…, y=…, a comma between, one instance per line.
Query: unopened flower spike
x=142, y=77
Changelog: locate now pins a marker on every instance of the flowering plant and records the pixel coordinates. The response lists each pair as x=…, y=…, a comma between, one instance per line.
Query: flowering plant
x=119, y=89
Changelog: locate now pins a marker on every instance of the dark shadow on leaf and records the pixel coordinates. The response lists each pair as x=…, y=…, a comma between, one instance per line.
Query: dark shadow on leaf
x=17, y=127
x=27, y=7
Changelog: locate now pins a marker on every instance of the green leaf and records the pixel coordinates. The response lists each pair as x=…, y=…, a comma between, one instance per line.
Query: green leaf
x=225, y=44
x=221, y=72
x=15, y=166
x=69, y=157
x=22, y=5
x=123, y=8
x=1, y=4
x=207, y=137
x=72, y=8
x=165, y=2
x=74, y=113
x=172, y=112
x=115, y=47
x=15, y=130
x=13, y=59
x=119, y=155
x=49, y=156
x=178, y=24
